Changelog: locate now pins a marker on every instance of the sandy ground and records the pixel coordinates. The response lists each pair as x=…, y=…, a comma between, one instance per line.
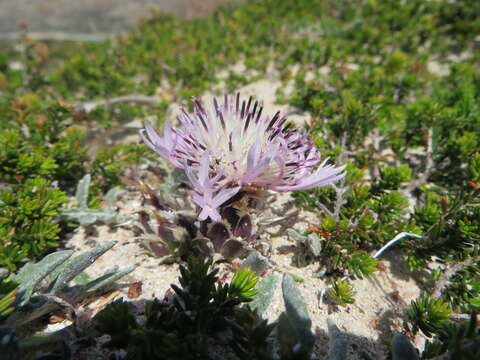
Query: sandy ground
x=379, y=302
x=372, y=319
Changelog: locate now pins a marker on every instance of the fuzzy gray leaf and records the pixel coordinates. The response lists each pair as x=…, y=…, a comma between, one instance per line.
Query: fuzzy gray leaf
x=297, y=313
x=107, y=278
x=86, y=216
x=296, y=236
x=112, y=196
x=315, y=244
x=338, y=345
x=82, y=191
x=266, y=289
x=286, y=337
x=71, y=268
x=256, y=261
x=171, y=181
x=31, y=274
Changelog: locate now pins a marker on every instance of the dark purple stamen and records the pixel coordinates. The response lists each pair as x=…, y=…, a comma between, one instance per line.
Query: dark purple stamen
x=254, y=108
x=259, y=114
x=247, y=122
x=199, y=105
x=281, y=122
x=181, y=152
x=222, y=120
x=237, y=102
x=187, y=115
x=274, y=134
x=249, y=102
x=274, y=119
x=202, y=120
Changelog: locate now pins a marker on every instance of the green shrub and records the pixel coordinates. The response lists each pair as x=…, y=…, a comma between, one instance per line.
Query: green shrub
x=28, y=220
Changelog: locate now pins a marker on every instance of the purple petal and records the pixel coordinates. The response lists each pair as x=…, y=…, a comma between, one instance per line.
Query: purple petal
x=261, y=166
x=195, y=183
x=208, y=212
x=253, y=154
x=160, y=150
x=322, y=177
x=204, y=167
x=224, y=195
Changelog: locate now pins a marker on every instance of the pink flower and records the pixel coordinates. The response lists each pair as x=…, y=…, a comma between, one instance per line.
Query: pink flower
x=231, y=145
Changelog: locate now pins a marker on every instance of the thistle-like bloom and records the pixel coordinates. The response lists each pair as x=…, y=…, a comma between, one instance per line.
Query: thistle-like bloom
x=231, y=147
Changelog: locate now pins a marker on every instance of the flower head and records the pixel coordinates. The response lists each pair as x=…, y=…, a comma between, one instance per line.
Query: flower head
x=226, y=147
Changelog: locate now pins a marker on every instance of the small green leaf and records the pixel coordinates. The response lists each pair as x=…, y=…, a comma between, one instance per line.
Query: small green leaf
x=31, y=274
x=243, y=283
x=71, y=268
x=297, y=278
x=265, y=291
x=342, y=292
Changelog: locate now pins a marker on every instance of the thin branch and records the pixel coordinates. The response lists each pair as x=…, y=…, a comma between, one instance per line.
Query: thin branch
x=343, y=147
x=278, y=220
x=393, y=241
x=340, y=190
x=428, y=166
x=444, y=279
x=376, y=146
x=324, y=208
x=339, y=200
x=134, y=98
